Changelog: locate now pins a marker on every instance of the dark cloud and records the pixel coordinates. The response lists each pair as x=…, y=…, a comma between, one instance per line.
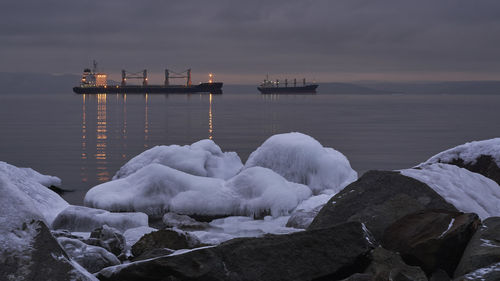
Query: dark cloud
x=327, y=38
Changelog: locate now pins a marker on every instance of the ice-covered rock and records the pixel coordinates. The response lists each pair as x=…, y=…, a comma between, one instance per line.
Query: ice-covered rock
x=109, y=238
x=92, y=258
x=302, y=159
x=79, y=218
x=469, y=152
x=469, y=192
x=133, y=235
x=306, y=211
x=202, y=158
x=30, y=185
x=173, y=239
x=157, y=189
x=182, y=222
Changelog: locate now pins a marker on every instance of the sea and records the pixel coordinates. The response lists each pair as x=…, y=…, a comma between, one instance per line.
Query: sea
x=85, y=139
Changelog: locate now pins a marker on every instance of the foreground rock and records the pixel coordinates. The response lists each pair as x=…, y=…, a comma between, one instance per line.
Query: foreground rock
x=489, y=273
x=483, y=249
x=92, y=258
x=83, y=219
x=38, y=256
x=165, y=238
x=332, y=254
x=432, y=239
x=108, y=238
x=481, y=157
x=387, y=265
x=378, y=199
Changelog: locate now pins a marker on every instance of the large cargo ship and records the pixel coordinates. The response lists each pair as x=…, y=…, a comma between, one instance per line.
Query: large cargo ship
x=273, y=87
x=94, y=82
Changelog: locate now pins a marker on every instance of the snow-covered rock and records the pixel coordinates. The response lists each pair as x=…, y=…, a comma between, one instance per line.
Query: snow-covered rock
x=306, y=211
x=83, y=219
x=30, y=187
x=202, y=158
x=157, y=189
x=133, y=235
x=92, y=258
x=182, y=222
x=468, y=152
x=302, y=159
x=467, y=191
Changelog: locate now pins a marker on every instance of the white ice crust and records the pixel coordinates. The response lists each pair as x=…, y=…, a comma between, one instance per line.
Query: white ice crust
x=469, y=152
x=203, y=158
x=29, y=186
x=467, y=191
x=302, y=159
x=157, y=189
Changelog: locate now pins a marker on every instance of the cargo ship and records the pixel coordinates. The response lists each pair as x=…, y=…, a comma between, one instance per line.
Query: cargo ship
x=94, y=82
x=274, y=87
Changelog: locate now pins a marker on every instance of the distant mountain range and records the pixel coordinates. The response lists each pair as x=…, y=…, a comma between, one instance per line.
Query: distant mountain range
x=39, y=83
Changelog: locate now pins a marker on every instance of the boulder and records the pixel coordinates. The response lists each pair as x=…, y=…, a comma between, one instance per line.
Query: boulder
x=489, y=273
x=153, y=253
x=92, y=258
x=183, y=222
x=431, y=239
x=483, y=249
x=38, y=256
x=331, y=254
x=378, y=199
x=387, y=265
x=359, y=277
x=83, y=219
x=484, y=165
x=307, y=210
x=165, y=238
x=108, y=238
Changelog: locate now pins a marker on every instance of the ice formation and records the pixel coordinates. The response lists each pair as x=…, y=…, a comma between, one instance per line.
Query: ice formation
x=83, y=219
x=302, y=159
x=133, y=235
x=29, y=186
x=202, y=158
x=469, y=152
x=157, y=189
x=467, y=191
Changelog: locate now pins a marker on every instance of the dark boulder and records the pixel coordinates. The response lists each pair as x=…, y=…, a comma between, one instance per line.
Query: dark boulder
x=324, y=254
x=165, y=238
x=108, y=238
x=42, y=259
x=360, y=277
x=489, y=273
x=378, y=199
x=387, y=265
x=483, y=248
x=92, y=258
x=153, y=253
x=431, y=239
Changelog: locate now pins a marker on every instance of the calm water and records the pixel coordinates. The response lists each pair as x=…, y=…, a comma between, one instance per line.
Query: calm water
x=84, y=139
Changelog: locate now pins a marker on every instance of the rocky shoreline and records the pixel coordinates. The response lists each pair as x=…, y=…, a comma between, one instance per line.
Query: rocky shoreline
x=294, y=211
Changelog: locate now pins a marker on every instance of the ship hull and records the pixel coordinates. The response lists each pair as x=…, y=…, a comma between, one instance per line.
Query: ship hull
x=308, y=89
x=212, y=88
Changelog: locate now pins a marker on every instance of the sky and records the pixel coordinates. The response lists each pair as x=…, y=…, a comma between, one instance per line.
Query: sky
x=242, y=41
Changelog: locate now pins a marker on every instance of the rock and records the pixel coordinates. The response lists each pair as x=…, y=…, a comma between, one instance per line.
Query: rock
x=378, y=199
x=183, y=222
x=83, y=219
x=489, y=273
x=359, y=277
x=165, y=238
x=483, y=248
x=484, y=165
x=439, y=275
x=302, y=219
x=431, y=239
x=38, y=257
x=109, y=238
x=65, y=233
x=92, y=258
x=331, y=254
x=387, y=265
x=153, y=253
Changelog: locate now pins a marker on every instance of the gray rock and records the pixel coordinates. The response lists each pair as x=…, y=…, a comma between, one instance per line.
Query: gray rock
x=328, y=254
x=165, y=238
x=43, y=259
x=109, y=238
x=183, y=222
x=378, y=199
x=92, y=258
x=387, y=265
x=483, y=248
x=489, y=273
x=431, y=239
x=79, y=218
x=153, y=253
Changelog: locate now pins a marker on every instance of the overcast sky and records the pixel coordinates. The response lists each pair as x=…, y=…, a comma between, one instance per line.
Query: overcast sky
x=241, y=41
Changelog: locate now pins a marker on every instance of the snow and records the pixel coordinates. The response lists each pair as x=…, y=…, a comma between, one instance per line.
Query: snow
x=301, y=159
x=448, y=229
x=469, y=152
x=233, y=227
x=481, y=274
x=157, y=189
x=31, y=186
x=306, y=211
x=202, y=158
x=467, y=191
x=83, y=219
x=133, y=235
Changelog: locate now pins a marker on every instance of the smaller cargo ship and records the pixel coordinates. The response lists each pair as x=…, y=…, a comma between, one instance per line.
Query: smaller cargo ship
x=94, y=82
x=274, y=87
